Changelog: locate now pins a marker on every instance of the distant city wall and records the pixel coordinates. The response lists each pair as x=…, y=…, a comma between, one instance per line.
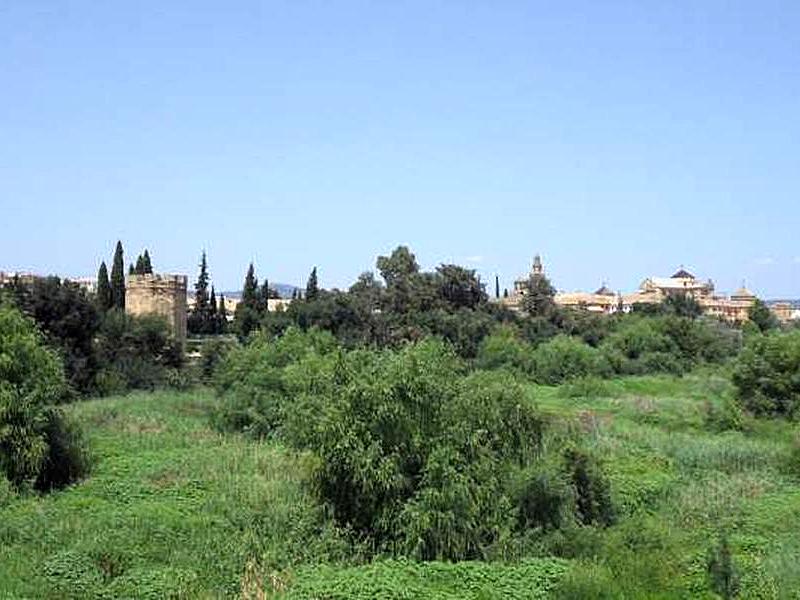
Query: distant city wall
x=156, y=294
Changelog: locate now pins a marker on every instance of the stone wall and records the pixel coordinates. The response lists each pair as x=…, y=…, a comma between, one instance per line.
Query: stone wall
x=156, y=294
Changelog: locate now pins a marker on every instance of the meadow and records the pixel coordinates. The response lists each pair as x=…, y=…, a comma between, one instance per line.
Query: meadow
x=175, y=509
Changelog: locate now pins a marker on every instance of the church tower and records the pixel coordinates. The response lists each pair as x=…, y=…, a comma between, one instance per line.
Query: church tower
x=537, y=269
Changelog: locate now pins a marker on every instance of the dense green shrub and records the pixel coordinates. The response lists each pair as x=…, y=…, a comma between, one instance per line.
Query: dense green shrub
x=542, y=496
x=640, y=346
x=67, y=458
x=503, y=349
x=564, y=358
x=722, y=573
x=411, y=452
x=212, y=354
x=36, y=444
x=254, y=388
x=591, y=489
x=767, y=375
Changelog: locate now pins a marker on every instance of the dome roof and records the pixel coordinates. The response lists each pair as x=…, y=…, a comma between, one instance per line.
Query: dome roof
x=682, y=274
x=743, y=292
x=604, y=291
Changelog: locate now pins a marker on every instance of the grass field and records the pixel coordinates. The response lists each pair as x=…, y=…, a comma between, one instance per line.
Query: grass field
x=173, y=509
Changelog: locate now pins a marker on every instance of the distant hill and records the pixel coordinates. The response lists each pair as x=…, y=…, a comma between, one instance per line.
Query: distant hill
x=284, y=290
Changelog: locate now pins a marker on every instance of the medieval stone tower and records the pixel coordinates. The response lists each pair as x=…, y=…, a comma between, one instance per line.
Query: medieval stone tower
x=156, y=294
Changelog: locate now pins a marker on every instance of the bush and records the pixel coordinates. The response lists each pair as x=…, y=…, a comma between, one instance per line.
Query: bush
x=252, y=383
x=415, y=457
x=767, y=375
x=592, y=491
x=722, y=573
x=639, y=347
x=7, y=493
x=542, y=497
x=212, y=354
x=67, y=457
x=726, y=416
x=36, y=445
x=564, y=358
x=503, y=349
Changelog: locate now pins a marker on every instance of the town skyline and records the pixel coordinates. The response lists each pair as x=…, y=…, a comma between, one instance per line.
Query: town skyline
x=487, y=277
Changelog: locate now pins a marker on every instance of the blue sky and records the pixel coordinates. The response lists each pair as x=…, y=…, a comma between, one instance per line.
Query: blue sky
x=618, y=139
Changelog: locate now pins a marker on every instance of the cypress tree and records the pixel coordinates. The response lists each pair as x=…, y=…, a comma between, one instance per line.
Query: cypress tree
x=213, y=321
x=103, y=288
x=496, y=287
x=139, y=269
x=250, y=290
x=118, y=278
x=201, y=288
x=131, y=269
x=312, y=287
x=264, y=299
x=247, y=311
x=222, y=312
x=212, y=303
x=200, y=320
x=146, y=264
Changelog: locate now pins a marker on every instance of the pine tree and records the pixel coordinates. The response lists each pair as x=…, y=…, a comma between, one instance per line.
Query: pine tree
x=146, y=264
x=496, y=287
x=312, y=287
x=118, y=278
x=103, y=288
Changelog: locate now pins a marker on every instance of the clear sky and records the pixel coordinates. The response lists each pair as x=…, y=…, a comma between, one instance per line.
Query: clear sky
x=618, y=139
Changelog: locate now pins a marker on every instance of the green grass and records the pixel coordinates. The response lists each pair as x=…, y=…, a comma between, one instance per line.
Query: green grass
x=173, y=509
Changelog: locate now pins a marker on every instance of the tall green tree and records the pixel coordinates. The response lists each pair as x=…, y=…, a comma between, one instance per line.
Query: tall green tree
x=250, y=290
x=118, y=278
x=264, y=296
x=200, y=319
x=222, y=314
x=147, y=266
x=312, y=287
x=401, y=273
x=103, y=288
x=139, y=268
x=246, y=317
x=497, y=287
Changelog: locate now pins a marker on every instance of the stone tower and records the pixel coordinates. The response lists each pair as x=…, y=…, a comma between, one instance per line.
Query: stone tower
x=162, y=295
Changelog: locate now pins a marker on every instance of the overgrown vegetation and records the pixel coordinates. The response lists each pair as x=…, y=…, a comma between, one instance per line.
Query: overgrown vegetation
x=404, y=438
x=39, y=447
